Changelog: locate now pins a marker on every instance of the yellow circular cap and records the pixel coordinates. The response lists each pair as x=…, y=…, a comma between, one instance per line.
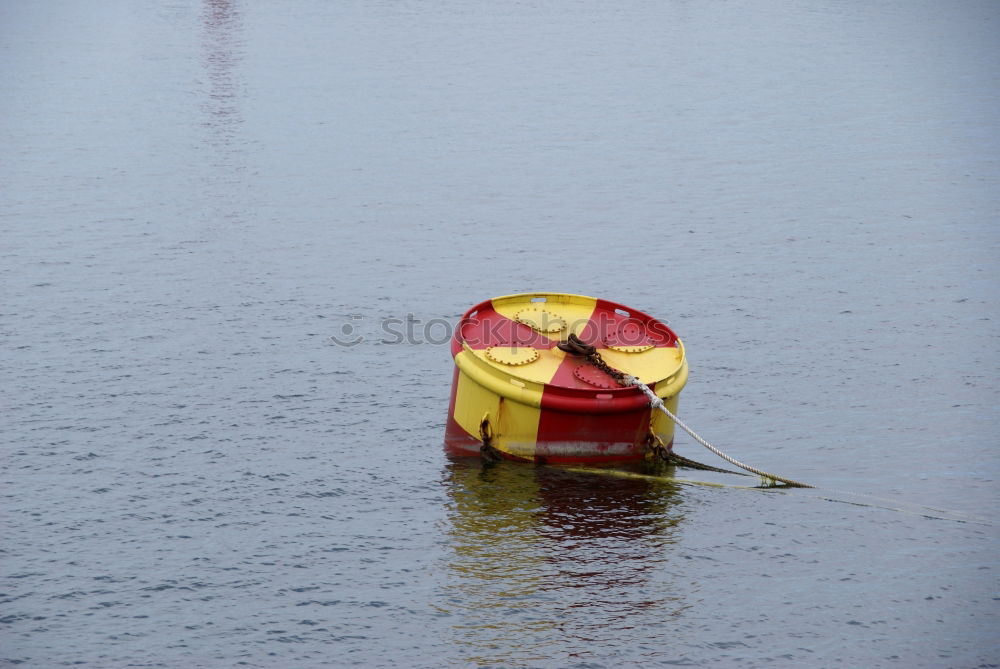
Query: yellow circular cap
x=541, y=320
x=512, y=355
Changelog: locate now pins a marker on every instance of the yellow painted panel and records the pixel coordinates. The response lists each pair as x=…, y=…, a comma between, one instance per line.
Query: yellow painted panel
x=539, y=371
x=648, y=366
x=661, y=424
x=498, y=381
x=515, y=425
x=576, y=310
x=471, y=402
x=518, y=429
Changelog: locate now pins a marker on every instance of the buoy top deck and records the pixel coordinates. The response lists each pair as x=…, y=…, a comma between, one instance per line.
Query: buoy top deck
x=515, y=337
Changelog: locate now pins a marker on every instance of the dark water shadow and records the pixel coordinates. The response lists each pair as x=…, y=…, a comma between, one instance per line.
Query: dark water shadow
x=225, y=190
x=221, y=55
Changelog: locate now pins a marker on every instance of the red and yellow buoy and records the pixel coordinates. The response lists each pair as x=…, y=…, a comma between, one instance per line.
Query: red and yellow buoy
x=531, y=401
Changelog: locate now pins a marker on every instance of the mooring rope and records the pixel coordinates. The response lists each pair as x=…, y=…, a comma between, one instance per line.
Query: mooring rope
x=681, y=461
x=888, y=504
x=657, y=403
x=576, y=346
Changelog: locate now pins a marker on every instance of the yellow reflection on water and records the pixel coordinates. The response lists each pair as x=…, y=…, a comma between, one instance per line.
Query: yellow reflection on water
x=548, y=562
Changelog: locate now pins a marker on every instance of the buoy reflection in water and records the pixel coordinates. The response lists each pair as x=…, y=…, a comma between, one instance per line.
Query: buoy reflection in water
x=542, y=554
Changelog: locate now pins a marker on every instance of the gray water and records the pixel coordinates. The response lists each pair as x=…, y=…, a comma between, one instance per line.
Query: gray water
x=201, y=198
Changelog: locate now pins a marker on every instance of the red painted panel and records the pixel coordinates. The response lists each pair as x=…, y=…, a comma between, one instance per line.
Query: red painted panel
x=614, y=326
x=601, y=430
x=489, y=328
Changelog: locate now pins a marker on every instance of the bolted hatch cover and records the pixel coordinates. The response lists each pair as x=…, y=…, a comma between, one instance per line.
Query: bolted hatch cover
x=512, y=355
x=629, y=337
x=540, y=320
x=595, y=377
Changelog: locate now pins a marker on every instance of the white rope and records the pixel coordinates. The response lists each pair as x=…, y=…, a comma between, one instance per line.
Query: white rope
x=657, y=403
x=957, y=516
x=918, y=510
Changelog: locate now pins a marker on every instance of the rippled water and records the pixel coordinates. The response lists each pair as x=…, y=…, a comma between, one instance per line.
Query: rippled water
x=199, y=196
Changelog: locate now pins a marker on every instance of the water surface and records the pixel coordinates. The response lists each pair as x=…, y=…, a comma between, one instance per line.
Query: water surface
x=198, y=196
